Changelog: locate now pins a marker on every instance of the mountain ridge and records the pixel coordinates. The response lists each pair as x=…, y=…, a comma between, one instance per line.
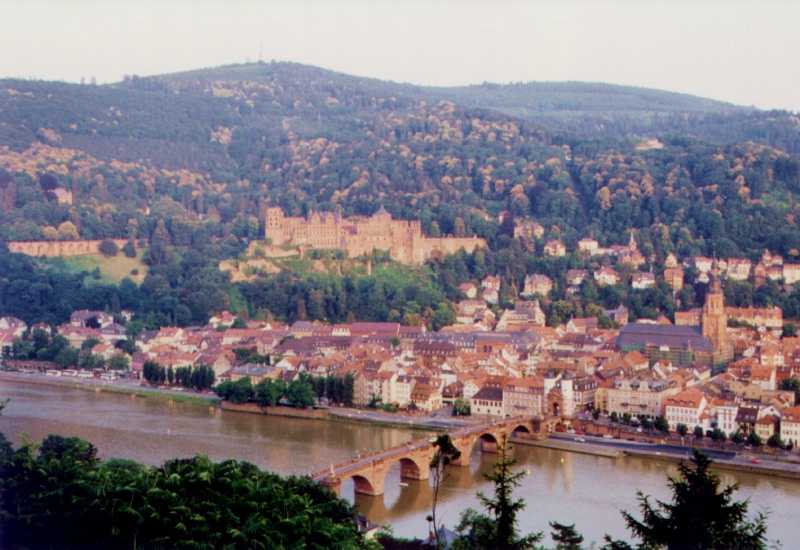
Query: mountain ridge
x=568, y=109
x=565, y=86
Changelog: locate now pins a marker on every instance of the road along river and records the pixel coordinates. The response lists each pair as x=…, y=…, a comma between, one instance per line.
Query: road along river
x=561, y=486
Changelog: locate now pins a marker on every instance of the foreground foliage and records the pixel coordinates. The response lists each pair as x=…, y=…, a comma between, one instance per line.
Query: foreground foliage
x=60, y=495
x=498, y=528
x=446, y=453
x=699, y=517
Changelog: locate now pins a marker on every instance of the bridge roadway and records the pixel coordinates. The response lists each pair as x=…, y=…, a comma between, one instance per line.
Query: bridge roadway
x=369, y=471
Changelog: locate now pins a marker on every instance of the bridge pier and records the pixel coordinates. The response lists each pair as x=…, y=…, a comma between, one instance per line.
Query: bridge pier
x=334, y=484
x=488, y=443
x=464, y=445
x=372, y=486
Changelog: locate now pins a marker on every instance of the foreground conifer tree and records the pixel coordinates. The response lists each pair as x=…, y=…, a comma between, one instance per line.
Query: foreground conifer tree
x=498, y=529
x=699, y=517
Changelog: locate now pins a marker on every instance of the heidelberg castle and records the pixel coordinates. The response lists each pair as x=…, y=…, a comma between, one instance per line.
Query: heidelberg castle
x=361, y=235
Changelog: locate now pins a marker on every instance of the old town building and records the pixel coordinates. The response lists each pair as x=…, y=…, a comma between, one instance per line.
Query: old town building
x=638, y=397
x=685, y=408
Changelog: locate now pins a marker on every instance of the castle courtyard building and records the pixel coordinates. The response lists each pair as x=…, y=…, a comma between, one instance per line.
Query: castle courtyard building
x=403, y=239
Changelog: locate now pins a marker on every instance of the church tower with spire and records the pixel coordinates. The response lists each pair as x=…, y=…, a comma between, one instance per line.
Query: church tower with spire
x=632, y=246
x=715, y=321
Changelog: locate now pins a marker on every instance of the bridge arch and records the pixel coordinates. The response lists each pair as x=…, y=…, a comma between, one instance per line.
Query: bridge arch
x=413, y=468
x=521, y=430
x=488, y=442
x=363, y=485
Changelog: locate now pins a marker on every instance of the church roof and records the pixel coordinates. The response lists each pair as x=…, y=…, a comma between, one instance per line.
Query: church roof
x=635, y=335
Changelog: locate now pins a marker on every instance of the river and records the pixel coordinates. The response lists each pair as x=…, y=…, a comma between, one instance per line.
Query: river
x=560, y=486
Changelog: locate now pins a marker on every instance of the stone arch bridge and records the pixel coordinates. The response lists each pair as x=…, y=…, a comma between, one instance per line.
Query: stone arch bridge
x=369, y=472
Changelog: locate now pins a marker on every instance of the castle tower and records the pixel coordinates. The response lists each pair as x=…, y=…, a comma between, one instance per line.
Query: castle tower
x=715, y=321
x=382, y=214
x=274, y=226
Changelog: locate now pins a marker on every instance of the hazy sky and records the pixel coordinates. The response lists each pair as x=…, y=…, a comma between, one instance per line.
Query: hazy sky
x=740, y=51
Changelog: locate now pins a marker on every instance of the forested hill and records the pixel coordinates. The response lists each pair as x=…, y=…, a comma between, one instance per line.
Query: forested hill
x=203, y=150
x=529, y=98
x=611, y=112
x=586, y=110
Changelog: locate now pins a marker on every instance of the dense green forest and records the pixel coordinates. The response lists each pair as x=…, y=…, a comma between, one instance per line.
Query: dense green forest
x=182, y=164
x=186, y=288
x=58, y=494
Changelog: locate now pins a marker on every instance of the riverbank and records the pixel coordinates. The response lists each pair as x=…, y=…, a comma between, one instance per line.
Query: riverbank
x=394, y=420
x=287, y=412
x=776, y=469
x=569, y=446
x=723, y=460
x=109, y=387
x=350, y=415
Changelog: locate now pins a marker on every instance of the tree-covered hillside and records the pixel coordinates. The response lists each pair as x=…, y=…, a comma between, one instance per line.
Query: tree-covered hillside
x=549, y=97
x=189, y=159
x=207, y=147
x=606, y=112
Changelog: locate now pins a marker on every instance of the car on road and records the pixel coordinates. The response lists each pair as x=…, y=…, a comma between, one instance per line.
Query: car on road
x=580, y=439
x=755, y=461
x=608, y=436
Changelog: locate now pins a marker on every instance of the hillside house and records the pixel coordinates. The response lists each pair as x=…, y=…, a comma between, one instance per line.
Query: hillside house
x=537, y=284
x=606, y=276
x=555, y=248
x=588, y=246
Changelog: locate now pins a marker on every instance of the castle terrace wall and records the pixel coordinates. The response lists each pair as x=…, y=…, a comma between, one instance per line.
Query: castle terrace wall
x=52, y=249
x=451, y=245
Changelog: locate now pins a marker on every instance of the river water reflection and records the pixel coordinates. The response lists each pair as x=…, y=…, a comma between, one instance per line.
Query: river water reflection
x=561, y=486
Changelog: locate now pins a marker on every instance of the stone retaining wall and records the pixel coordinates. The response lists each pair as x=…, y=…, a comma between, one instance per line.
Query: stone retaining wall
x=51, y=249
x=291, y=412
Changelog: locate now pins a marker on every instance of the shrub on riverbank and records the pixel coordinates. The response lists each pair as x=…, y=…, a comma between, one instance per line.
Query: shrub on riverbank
x=299, y=393
x=60, y=495
x=198, y=378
